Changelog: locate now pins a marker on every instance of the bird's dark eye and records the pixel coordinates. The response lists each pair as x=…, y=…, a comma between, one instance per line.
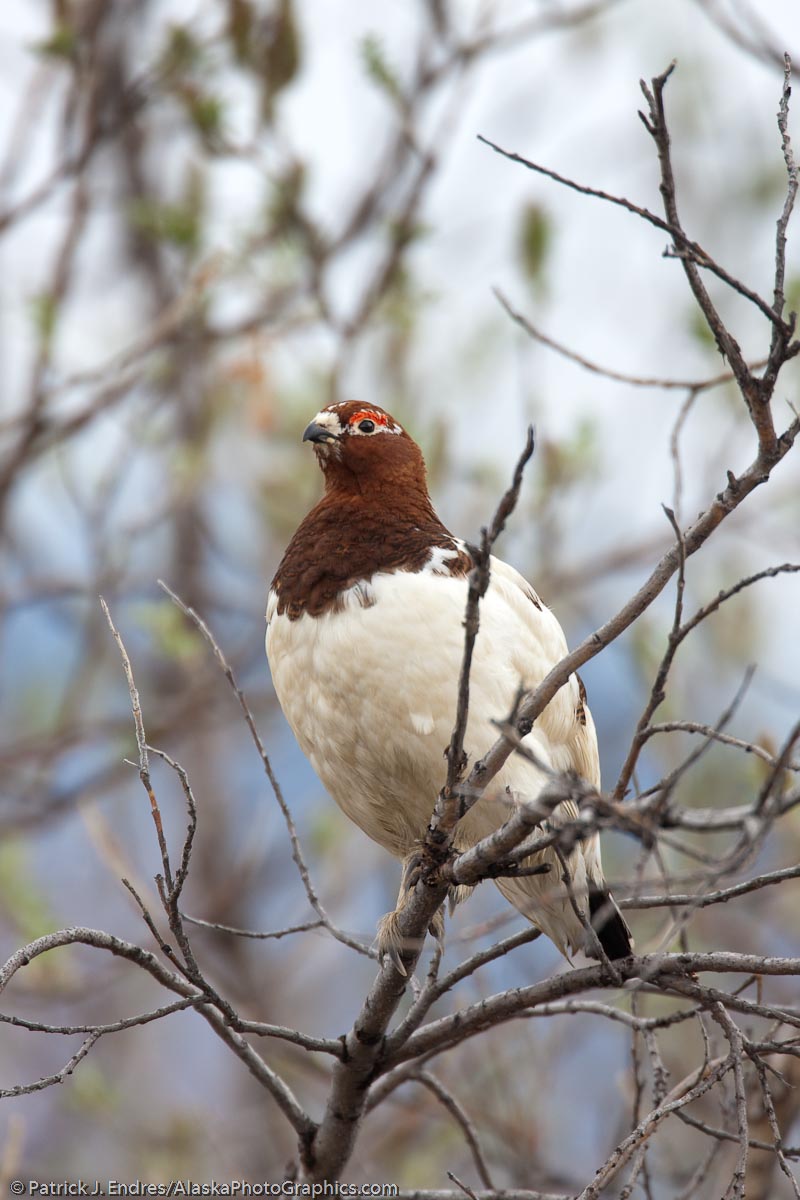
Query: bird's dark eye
x=366, y=426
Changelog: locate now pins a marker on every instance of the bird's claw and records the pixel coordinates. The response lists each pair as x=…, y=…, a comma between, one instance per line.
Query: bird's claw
x=390, y=943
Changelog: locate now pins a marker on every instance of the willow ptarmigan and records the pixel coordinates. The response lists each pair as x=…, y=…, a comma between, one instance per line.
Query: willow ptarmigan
x=365, y=638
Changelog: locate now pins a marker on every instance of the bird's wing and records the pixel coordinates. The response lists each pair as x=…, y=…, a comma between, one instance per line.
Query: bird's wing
x=567, y=720
x=570, y=732
x=567, y=717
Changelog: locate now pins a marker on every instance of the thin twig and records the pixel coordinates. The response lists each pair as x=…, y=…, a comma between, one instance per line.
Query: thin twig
x=456, y=1110
x=733, y=1034
x=141, y=742
x=696, y=251
x=694, y=386
x=25, y=1089
x=448, y=810
x=256, y=934
x=658, y=690
x=778, y=345
x=297, y=853
x=704, y=899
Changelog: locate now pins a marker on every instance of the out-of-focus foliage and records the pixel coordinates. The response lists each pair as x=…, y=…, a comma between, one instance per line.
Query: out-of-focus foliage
x=535, y=236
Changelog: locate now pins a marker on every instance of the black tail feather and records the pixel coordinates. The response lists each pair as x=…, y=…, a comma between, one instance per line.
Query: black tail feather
x=609, y=924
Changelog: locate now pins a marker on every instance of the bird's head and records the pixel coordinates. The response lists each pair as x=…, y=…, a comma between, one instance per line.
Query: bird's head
x=361, y=447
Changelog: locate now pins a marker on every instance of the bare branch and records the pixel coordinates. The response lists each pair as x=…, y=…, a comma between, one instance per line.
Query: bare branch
x=754, y=40
x=25, y=1089
x=448, y=811
x=141, y=742
x=714, y=735
x=657, y=692
x=644, y=381
x=255, y=934
x=696, y=252
x=154, y=1014
x=736, y=1188
x=777, y=350
x=772, y=1117
x=297, y=854
x=672, y=970
x=680, y=1096
x=694, y=538
x=716, y=897
x=326, y=1153
x=448, y=1100
x=277, y=1088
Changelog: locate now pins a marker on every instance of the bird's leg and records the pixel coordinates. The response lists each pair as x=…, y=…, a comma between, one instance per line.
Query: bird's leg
x=457, y=895
x=390, y=942
x=436, y=928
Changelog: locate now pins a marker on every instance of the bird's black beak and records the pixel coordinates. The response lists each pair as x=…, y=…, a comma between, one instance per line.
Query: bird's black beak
x=318, y=433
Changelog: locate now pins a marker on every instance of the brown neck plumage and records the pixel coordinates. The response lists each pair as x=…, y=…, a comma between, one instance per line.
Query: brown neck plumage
x=376, y=515
x=377, y=466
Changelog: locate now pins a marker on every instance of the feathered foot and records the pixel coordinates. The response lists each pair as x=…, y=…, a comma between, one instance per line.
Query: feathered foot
x=390, y=942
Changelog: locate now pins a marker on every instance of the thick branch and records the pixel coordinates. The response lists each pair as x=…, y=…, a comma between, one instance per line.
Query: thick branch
x=505, y=1006
x=326, y=1154
x=279, y=1090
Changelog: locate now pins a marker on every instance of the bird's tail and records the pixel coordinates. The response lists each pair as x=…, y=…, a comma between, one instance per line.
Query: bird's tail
x=609, y=924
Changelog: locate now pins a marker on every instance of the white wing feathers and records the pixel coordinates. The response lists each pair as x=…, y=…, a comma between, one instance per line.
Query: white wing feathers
x=370, y=693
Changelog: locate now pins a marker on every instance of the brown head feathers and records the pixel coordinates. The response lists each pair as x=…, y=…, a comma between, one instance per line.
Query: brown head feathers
x=362, y=448
x=375, y=515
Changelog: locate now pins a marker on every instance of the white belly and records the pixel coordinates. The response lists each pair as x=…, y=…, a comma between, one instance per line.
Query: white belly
x=370, y=693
